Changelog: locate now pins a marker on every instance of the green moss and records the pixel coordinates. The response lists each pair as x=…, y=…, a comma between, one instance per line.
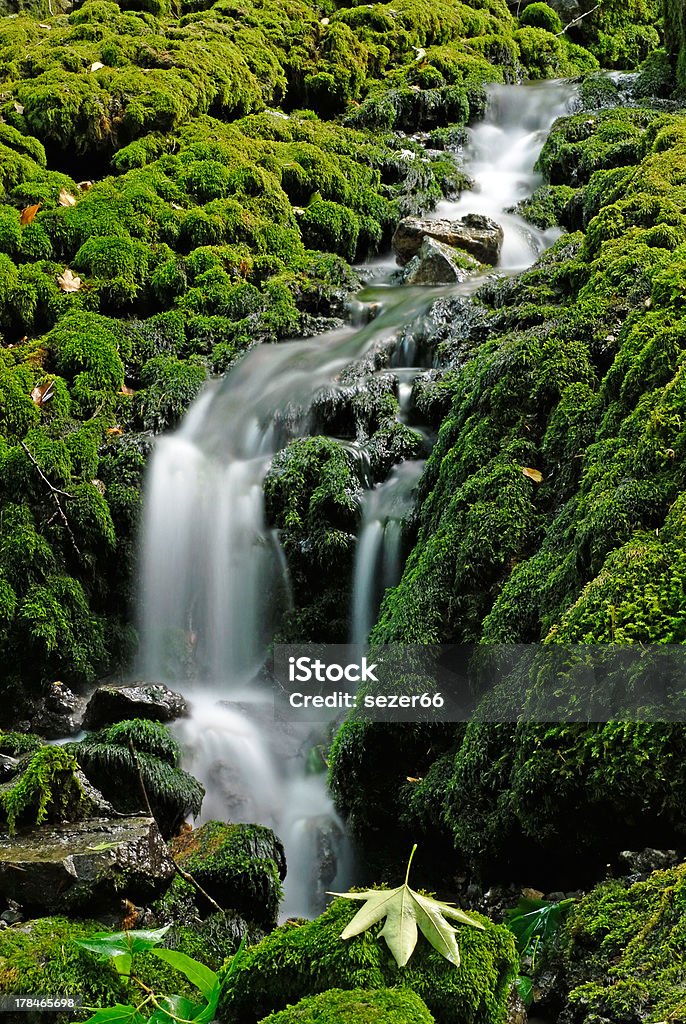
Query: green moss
x=310, y=495
x=301, y=960
x=46, y=789
x=621, y=947
x=44, y=952
x=384, y=1006
x=240, y=866
x=545, y=208
x=540, y=15
x=116, y=758
x=169, y=387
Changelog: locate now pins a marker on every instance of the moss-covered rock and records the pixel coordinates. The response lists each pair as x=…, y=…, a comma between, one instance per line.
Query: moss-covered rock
x=302, y=959
x=240, y=866
x=620, y=951
x=383, y=1006
x=137, y=762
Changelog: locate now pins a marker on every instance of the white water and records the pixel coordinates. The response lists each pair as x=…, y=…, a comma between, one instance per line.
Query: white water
x=379, y=548
x=212, y=572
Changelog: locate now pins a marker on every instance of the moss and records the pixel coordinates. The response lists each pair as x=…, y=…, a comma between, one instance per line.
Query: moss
x=240, y=866
x=44, y=952
x=620, y=949
x=169, y=387
x=384, y=1006
x=310, y=494
x=46, y=789
x=545, y=208
x=16, y=743
x=116, y=758
x=303, y=959
x=540, y=15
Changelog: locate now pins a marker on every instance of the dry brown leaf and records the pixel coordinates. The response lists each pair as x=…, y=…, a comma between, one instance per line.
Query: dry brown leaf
x=42, y=393
x=533, y=474
x=115, y=431
x=18, y=107
x=66, y=198
x=96, y=65
x=83, y=186
x=411, y=778
x=532, y=894
x=28, y=214
x=126, y=390
x=68, y=281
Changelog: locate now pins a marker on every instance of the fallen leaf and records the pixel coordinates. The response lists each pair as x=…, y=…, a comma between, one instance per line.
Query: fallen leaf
x=42, y=393
x=83, y=186
x=175, y=206
x=66, y=198
x=406, y=911
x=533, y=474
x=18, y=107
x=68, y=281
x=126, y=390
x=28, y=214
x=96, y=65
x=411, y=778
x=532, y=894
x=115, y=431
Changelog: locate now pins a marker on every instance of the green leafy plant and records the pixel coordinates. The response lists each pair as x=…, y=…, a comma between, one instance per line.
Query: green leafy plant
x=407, y=912
x=531, y=922
x=153, y=1007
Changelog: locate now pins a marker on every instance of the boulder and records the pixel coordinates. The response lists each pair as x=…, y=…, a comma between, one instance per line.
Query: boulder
x=155, y=701
x=239, y=866
x=438, y=263
x=83, y=866
x=359, y=1006
x=57, y=713
x=478, y=235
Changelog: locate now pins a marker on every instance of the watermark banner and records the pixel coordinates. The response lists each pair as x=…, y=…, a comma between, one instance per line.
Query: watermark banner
x=494, y=683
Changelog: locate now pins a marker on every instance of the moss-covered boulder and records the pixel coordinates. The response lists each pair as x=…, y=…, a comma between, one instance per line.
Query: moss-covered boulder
x=135, y=764
x=240, y=866
x=383, y=1006
x=620, y=954
x=306, y=958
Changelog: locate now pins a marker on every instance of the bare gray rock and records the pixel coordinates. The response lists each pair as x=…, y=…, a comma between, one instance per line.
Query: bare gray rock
x=155, y=701
x=85, y=865
x=438, y=263
x=480, y=236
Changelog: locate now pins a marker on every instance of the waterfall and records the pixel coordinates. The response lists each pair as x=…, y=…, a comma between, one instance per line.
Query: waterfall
x=379, y=548
x=213, y=575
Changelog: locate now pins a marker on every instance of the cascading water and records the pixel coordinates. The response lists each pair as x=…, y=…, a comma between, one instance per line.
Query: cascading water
x=379, y=547
x=213, y=574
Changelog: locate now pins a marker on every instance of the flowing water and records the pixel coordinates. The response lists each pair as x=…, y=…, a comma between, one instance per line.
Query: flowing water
x=213, y=575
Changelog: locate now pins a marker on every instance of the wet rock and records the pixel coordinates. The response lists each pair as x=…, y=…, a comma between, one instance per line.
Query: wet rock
x=438, y=263
x=642, y=862
x=8, y=767
x=85, y=865
x=58, y=713
x=110, y=704
x=516, y=1010
x=480, y=236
